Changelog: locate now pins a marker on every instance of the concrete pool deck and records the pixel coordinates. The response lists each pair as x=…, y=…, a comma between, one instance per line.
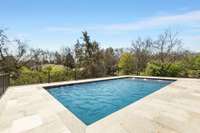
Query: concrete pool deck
x=173, y=109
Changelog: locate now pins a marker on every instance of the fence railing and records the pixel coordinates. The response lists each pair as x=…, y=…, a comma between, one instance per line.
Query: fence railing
x=4, y=82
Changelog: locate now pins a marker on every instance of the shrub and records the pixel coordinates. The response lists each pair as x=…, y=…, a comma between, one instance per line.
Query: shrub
x=158, y=69
x=29, y=76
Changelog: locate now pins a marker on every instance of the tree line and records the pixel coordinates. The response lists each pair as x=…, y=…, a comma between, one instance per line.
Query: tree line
x=163, y=56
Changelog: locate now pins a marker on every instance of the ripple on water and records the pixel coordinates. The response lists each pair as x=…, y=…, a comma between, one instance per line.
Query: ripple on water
x=93, y=101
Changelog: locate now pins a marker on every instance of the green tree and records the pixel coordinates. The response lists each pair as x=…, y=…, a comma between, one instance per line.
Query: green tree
x=110, y=61
x=126, y=63
x=89, y=58
x=67, y=58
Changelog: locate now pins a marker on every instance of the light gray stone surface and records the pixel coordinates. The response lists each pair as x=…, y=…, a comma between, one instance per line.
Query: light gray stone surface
x=173, y=109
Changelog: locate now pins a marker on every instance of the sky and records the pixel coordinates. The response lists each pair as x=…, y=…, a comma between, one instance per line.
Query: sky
x=52, y=24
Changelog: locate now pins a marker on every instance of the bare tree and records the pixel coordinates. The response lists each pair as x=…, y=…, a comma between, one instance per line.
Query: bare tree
x=3, y=45
x=141, y=50
x=167, y=46
x=36, y=58
x=21, y=57
x=13, y=54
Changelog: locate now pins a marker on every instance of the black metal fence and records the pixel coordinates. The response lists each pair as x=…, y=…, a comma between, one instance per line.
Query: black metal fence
x=4, y=82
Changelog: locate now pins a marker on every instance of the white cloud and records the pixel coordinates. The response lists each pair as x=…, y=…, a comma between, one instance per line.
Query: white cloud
x=188, y=25
x=187, y=19
x=154, y=22
x=192, y=42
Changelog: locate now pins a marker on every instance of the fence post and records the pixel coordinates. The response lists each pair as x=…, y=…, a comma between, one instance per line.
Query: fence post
x=4, y=76
x=4, y=82
x=1, y=85
x=8, y=80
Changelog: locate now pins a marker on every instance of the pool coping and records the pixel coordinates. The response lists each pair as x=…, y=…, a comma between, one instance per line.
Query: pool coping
x=115, y=122
x=100, y=80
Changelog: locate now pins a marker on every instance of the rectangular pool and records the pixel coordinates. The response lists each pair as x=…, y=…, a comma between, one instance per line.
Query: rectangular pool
x=93, y=101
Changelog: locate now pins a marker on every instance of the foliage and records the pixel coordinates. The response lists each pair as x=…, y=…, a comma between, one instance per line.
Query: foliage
x=89, y=58
x=110, y=61
x=57, y=73
x=126, y=63
x=157, y=57
x=166, y=69
x=192, y=66
x=142, y=51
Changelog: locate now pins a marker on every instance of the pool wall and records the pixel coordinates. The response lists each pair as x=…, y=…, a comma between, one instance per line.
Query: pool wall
x=105, y=97
x=84, y=81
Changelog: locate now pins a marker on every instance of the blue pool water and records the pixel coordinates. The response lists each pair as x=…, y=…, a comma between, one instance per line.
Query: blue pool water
x=93, y=101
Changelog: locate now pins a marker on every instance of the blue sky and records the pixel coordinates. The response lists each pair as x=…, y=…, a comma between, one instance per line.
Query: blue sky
x=51, y=24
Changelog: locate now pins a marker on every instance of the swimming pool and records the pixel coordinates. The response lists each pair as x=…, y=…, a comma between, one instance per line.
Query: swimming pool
x=93, y=101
